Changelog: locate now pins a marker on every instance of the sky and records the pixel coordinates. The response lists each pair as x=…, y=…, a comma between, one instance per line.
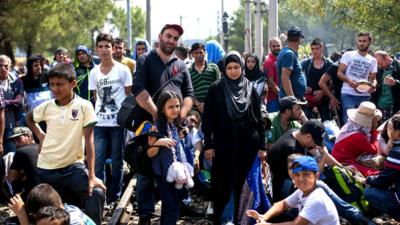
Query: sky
x=199, y=17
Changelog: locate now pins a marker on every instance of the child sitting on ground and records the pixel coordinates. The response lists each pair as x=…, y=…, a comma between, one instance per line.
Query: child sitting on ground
x=44, y=195
x=314, y=205
x=50, y=215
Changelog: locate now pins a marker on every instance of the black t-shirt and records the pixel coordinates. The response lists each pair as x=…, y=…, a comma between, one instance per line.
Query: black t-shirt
x=150, y=75
x=278, y=153
x=25, y=159
x=314, y=76
x=277, y=161
x=336, y=82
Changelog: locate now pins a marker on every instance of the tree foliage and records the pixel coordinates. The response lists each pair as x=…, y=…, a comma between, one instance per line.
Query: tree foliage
x=138, y=22
x=334, y=21
x=380, y=17
x=39, y=26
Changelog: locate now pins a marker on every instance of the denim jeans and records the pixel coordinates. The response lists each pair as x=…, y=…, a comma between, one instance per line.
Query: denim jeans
x=351, y=102
x=145, y=194
x=115, y=138
x=344, y=209
x=383, y=200
x=73, y=181
x=228, y=213
x=170, y=202
x=8, y=144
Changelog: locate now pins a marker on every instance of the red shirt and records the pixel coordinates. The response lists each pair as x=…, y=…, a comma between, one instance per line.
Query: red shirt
x=348, y=149
x=270, y=71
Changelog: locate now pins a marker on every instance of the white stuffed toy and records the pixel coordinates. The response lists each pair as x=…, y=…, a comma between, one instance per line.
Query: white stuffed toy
x=181, y=174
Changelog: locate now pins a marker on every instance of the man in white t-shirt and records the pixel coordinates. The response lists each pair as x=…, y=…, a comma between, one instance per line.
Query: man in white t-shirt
x=110, y=82
x=356, y=66
x=315, y=207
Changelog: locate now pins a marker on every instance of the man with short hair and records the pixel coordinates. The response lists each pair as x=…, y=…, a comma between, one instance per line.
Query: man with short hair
x=152, y=70
x=183, y=54
x=287, y=118
x=387, y=95
x=313, y=68
x=25, y=159
x=110, y=82
x=83, y=65
x=119, y=51
x=275, y=46
x=203, y=74
x=333, y=91
x=356, y=66
x=300, y=140
x=13, y=98
x=60, y=56
x=292, y=81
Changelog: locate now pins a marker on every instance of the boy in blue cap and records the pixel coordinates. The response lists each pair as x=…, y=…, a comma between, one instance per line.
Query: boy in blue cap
x=314, y=205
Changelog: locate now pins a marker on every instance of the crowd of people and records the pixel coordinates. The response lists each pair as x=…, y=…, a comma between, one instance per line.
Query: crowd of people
x=259, y=137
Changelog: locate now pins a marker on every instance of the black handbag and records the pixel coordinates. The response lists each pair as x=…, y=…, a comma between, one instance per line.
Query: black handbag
x=131, y=115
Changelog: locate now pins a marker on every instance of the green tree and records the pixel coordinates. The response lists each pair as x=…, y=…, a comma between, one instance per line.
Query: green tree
x=138, y=21
x=39, y=26
x=380, y=17
x=290, y=14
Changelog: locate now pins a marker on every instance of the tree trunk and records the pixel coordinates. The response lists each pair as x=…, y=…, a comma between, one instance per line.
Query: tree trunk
x=8, y=50
x=28, y=51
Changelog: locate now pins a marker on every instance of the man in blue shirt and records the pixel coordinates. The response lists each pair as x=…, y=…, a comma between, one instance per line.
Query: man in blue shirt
x=292, y=81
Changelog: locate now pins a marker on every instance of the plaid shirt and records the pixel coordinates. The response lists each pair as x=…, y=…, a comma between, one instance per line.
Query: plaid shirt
x=2, y=101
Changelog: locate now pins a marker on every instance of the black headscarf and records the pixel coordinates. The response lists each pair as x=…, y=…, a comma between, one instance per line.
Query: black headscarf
x=237, y=92
x=255, y=73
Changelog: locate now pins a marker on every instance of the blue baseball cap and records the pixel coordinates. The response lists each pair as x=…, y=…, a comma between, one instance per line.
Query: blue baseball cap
x=305, y=163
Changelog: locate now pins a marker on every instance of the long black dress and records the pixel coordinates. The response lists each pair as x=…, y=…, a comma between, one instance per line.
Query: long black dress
x=236, y=143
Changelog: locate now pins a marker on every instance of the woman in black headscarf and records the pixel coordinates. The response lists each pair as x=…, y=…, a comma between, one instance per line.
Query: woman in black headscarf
x=252, y=68
x=233, y=133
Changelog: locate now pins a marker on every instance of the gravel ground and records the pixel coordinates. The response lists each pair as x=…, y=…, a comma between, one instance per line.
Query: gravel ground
x=5, y=212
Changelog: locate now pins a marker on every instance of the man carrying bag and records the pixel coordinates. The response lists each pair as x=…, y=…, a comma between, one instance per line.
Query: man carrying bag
x=151, y=74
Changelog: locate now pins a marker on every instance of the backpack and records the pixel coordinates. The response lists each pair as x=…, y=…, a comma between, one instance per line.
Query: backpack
x=342, y=182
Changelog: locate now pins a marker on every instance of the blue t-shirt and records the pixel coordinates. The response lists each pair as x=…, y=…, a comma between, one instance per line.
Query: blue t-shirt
x=287, y=58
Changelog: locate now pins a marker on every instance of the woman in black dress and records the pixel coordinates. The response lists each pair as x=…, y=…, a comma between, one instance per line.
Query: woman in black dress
x=233, y=133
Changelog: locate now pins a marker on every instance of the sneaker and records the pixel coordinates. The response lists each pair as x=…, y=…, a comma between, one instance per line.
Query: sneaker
x=210, y=209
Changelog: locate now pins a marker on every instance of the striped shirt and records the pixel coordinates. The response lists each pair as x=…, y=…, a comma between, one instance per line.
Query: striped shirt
x=2, y=101
x=202, y=81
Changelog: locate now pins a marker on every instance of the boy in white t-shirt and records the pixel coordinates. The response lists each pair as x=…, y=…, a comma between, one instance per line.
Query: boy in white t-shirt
x=314, y=206
x=110, y=82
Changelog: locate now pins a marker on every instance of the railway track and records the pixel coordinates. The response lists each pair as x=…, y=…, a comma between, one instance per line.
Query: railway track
x=124, y=213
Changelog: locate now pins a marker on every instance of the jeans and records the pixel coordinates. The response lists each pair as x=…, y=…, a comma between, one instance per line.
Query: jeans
x=145, y=194
x=344, y=209
x=351, y=102
x=383, y=200
x=73, y=181
x=115, y=138
x=8, y=144
x=228, y=213
x=170, y=202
